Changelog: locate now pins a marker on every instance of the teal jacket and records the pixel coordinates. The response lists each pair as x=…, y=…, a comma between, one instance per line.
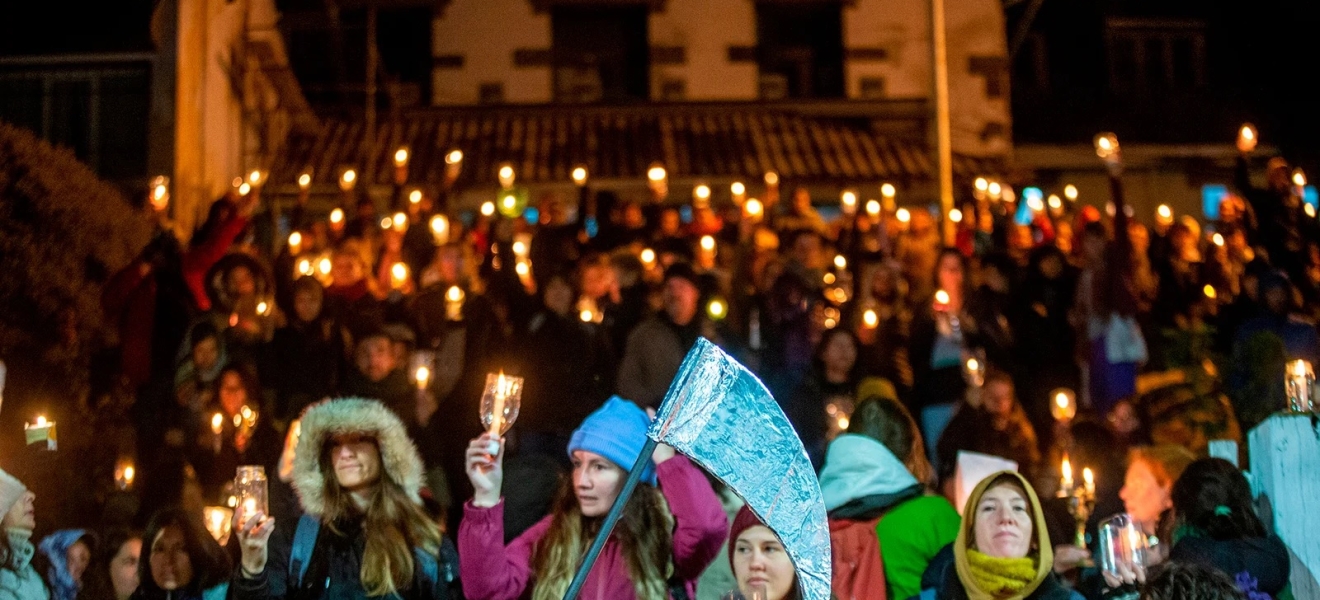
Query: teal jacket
x=18, y=580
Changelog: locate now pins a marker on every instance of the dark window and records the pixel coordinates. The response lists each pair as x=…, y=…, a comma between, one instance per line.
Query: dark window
x=1184, y=63
x=803, y=44
x=872, y=88
x=490, y=93
x=1031, y=69
x=1149, y=57
x=125, y=106
x=600, y=54
x=673, y=90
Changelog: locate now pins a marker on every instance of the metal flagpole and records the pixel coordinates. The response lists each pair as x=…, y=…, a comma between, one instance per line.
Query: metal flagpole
x=943, y=134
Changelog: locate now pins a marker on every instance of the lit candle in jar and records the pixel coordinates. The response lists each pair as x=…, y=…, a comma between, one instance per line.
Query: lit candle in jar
x=398, y=275
x=124, y=475
x=1298, y=382
x=454, y=303
x=423, y=377
x=1063, y=405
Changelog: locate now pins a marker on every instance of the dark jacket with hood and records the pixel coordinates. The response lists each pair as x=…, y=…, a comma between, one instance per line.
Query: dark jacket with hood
x=1262, y=560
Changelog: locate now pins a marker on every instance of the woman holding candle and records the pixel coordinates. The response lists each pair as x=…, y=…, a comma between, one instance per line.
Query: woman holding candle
x=1003, y=549
x=941, y=329
x=180, y=560
x=364, y=533
x=241, y=435
x=18, y=579
x=664, y=540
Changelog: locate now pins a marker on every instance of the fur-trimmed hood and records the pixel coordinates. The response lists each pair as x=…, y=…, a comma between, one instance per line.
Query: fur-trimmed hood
x=399, y=458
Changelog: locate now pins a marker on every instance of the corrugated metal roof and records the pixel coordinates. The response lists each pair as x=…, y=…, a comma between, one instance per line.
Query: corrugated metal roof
x=544, y=144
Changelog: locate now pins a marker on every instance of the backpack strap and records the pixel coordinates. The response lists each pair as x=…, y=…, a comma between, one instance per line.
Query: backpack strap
x=304, y=541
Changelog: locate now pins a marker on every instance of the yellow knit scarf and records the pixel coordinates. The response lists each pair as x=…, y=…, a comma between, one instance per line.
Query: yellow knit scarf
x=1001, y=577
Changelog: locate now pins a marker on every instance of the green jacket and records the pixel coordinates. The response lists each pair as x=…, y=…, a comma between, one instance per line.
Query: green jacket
x=911, y=534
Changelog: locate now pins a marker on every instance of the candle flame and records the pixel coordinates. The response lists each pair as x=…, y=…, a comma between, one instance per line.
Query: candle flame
x=840, y=261
x=754, y=207
x=1210, y=292
x=455, y=294
x=942, y=297
x=217, y=423
x=454, y=157
x=423, y=375
x=873, y=207
x=1088, y=477
x=1298, y=370
x=955, y=215
x=973, y=364
x=295, y=240
x=1066, y=469
x=870, y=319
x=337, y=216
x=415, y=196
x=701, y=192
x=41, y=421
x=305, y=180
x=1217, y=239
x=903, y=215
x=737, y=188
x=887, y=190
x=401, y=156
x=580, y=175
x=849, y=199
x=1164, y=212
x=648, y=256
x=1061, y=399
x=1070, y=192
x=129, y=473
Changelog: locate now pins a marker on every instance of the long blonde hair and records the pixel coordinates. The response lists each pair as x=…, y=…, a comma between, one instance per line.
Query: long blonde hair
x=392, y=525
x=644, y=533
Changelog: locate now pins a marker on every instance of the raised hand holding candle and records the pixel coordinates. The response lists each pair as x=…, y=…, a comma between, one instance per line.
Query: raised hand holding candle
x=41, y=431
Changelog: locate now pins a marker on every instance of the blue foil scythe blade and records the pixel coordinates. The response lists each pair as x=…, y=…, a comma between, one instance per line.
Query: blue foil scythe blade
x=720, y=415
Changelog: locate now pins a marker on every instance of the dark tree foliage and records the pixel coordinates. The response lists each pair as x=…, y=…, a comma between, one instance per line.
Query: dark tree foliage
x=63, y=232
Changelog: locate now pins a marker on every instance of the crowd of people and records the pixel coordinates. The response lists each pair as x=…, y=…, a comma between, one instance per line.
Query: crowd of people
x=890, y=352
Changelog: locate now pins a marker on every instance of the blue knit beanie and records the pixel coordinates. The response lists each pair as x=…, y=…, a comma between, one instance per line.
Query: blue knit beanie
x=616, y=431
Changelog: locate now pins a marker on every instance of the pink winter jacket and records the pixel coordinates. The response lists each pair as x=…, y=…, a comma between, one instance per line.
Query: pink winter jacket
x=491, y=571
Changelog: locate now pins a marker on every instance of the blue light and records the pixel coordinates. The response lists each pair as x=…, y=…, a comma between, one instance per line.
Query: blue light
x=1212, y=195
x=685, y=214
x=532, y=215
x=1309, y=196
x=592, y=227
x=1031, y=192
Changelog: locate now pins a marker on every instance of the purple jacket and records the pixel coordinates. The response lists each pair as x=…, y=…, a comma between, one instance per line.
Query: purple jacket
x=491, y=571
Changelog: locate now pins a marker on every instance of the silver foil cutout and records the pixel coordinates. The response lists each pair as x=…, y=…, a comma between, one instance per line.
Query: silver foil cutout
x=720, y=415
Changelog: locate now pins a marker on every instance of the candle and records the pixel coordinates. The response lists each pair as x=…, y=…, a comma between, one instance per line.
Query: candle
x=401, y=157
x=400, y=222
x=1298, y=381
x=840, y=262
x=1106, y=146
x=1063, y=404
x=848, y=202
x=580, y=176
x=337, y=216
x=955, y=215
x=739, y=191
x=506, y=176
x=423, y=377
x=1070, y=192
x=873, y=208
x=1163, y=214
x=124, y=474
x=904, y=216
x=1247, y=135
x=347, y=180
x=40, y=430
x=398, y=275
x=295, y=242
x=440, y=229
x=870, y=319
x=753, y=209
x=160, y=192
x=454, y=303
x=497, y=413
x=888, y=191
x=218, y=521
x=1066, y=484
x=304, y=181
x=648, y=257
x=717, y=309
x=1088, y=482
x=941, y=299
x=701, y=195
x=415, y=197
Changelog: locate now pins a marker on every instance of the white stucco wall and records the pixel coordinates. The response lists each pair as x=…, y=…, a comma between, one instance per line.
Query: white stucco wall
x=902, y=29
x=706, y=28
x=486, y=33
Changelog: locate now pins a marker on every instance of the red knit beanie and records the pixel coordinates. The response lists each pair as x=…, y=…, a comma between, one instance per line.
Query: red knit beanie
x=745, y=520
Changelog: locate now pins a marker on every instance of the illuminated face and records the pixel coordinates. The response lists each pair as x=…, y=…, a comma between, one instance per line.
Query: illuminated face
x=1003, y=525
x=596, y=482
x=840, y=353
x=1143, y=496
x=124, y=568
x=77, y=557
x=232, y=393
x=307, y=305
x=375, y=358
x=171, y=567
x=23, y=514
x=205, y=353
x=998, y=398
x=680, y=297
x=950, y=273
x=356, y=460
x=761, y=564
x=241, y=282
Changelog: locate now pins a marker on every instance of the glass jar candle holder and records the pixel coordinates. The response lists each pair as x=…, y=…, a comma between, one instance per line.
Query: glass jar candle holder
x=251, y=490
x=1299, y=382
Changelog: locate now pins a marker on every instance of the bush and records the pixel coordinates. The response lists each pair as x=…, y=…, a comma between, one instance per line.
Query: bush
x=63, y=232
